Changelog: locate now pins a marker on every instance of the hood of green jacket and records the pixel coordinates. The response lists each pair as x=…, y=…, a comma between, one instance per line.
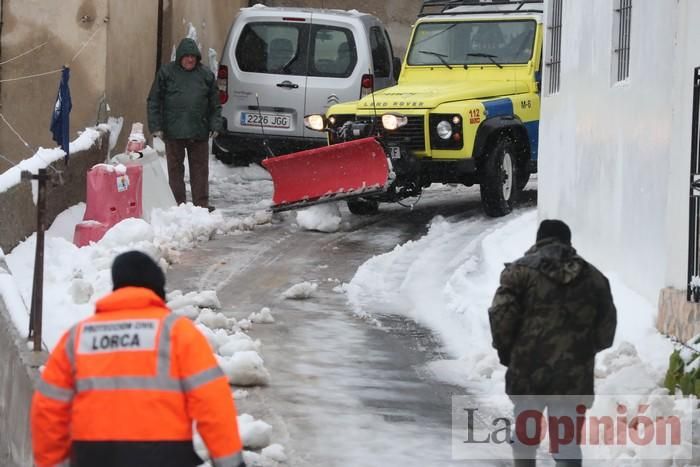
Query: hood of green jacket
x=187, y=46
x=554, y=259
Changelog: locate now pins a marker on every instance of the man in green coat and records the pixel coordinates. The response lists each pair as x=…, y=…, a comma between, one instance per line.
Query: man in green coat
x=551, y=314
x=184, y=110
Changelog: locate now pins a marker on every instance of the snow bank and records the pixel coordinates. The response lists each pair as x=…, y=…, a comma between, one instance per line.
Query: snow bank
x=446, y=281
x=75, y=278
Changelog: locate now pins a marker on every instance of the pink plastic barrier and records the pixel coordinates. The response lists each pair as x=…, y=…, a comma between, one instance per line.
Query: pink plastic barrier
x=111, y=198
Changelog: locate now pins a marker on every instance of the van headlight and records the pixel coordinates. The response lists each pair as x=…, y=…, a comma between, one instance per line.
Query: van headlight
x=315, y=122
x=393, y=122
x=444, y=129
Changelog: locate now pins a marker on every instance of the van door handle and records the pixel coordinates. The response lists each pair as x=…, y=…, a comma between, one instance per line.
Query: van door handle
x=287, y=84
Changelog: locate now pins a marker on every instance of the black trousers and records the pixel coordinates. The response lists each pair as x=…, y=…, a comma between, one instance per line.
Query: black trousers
x=134, y=454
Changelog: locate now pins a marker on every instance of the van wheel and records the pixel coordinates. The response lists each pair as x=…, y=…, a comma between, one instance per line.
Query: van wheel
x=225, y=157
x=363, y=206
x=241, y=159
x=499, y=178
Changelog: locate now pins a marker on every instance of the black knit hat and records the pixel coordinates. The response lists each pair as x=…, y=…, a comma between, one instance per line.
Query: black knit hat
x=137, y=269
x=554, y=228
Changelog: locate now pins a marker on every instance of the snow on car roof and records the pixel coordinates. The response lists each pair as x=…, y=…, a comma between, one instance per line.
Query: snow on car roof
x=326, y=11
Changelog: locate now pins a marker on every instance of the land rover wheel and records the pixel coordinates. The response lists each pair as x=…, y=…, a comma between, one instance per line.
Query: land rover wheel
x=523, y=177
x=363, y=206
x=498, y=178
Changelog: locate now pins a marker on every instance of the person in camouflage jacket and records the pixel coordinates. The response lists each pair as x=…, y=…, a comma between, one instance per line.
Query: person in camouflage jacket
x=551, y=314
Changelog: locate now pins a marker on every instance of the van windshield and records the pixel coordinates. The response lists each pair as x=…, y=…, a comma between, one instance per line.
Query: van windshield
x=296, y=49
x=473, y=43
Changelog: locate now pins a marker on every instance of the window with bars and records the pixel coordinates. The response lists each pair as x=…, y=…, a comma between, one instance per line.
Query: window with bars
x=621, y=40
x=553, y=62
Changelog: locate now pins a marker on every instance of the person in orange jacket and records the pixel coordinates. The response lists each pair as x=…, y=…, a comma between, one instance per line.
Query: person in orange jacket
x=124, y=387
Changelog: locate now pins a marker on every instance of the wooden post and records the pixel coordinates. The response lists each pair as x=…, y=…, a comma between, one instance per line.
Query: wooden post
x=35, y=315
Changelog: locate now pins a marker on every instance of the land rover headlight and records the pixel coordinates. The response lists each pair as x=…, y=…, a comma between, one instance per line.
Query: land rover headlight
x=444, y=129
x=315, y=122
x=393, y=122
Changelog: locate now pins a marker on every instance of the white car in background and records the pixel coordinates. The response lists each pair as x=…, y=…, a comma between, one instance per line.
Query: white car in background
x=281, y=64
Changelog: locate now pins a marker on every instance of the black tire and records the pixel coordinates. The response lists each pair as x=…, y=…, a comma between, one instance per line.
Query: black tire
x=523, y=177
x=499, y=177
x=363, y=206
x=225, y=157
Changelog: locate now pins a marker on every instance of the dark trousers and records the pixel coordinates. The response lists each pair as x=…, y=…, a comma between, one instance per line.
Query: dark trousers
x=198, y=160
x=525, y=454
x=133, y=454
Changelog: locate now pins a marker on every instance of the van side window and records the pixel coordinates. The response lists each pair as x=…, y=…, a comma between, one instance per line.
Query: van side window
x=272, y=48
x=381, y=57
x=333, y=53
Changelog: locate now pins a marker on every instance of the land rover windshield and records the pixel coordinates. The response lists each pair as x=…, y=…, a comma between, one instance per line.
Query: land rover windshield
x=486, y=42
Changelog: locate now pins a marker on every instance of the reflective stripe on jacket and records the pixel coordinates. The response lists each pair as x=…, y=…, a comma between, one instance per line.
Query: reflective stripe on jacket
x=133, y=372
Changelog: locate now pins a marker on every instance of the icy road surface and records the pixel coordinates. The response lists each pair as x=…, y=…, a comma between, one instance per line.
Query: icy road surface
x=344, y=391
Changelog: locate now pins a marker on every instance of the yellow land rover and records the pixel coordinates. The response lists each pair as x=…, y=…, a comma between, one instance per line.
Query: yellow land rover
x=466, y=107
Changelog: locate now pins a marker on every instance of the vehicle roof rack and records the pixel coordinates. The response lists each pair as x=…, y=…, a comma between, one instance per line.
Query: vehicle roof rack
x=442, y=7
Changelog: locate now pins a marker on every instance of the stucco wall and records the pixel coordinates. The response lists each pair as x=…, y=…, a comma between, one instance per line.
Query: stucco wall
x=211, y=19
x=131, y=51
x=28, y=104
x=397, y=15
x=676, y=221
x=614, y=157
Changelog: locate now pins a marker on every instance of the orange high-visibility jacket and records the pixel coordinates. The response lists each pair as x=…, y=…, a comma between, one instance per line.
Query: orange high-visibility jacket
x=134, y=371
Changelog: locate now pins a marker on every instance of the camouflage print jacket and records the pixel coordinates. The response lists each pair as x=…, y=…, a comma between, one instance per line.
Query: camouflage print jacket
x=551, y=314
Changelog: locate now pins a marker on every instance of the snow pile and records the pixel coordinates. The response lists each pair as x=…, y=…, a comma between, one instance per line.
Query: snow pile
x=300, y=291
x=205, y=299
x=323, y=218
x=245, y=368
x=254, y=433
x=75, y=278
x=250, y=187
x=264, y=316
x=215, y=320
x=239, y=342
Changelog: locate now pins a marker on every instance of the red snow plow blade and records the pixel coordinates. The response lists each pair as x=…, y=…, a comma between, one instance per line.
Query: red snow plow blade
x=329, y=173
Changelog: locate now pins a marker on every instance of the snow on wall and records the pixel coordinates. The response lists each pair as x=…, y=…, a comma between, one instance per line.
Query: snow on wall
x=614, y=157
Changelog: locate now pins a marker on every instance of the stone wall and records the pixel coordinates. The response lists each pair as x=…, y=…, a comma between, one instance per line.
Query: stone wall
x=17, y=203
x=18, y=375
x=677, y=316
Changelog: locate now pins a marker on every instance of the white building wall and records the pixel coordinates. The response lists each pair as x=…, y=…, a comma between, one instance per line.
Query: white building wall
x=614, y=157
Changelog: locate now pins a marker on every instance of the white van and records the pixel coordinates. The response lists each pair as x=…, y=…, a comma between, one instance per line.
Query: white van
x=280, y=64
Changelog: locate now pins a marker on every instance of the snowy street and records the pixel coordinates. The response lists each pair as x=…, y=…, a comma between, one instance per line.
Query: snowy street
x=344, y=337
x=344, y=390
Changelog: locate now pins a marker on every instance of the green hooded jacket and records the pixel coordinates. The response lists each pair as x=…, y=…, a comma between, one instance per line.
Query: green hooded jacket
x=184, y=104
x=551, y=314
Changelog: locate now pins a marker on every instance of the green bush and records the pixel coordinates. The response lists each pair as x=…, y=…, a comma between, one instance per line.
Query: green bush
x=682, y=373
